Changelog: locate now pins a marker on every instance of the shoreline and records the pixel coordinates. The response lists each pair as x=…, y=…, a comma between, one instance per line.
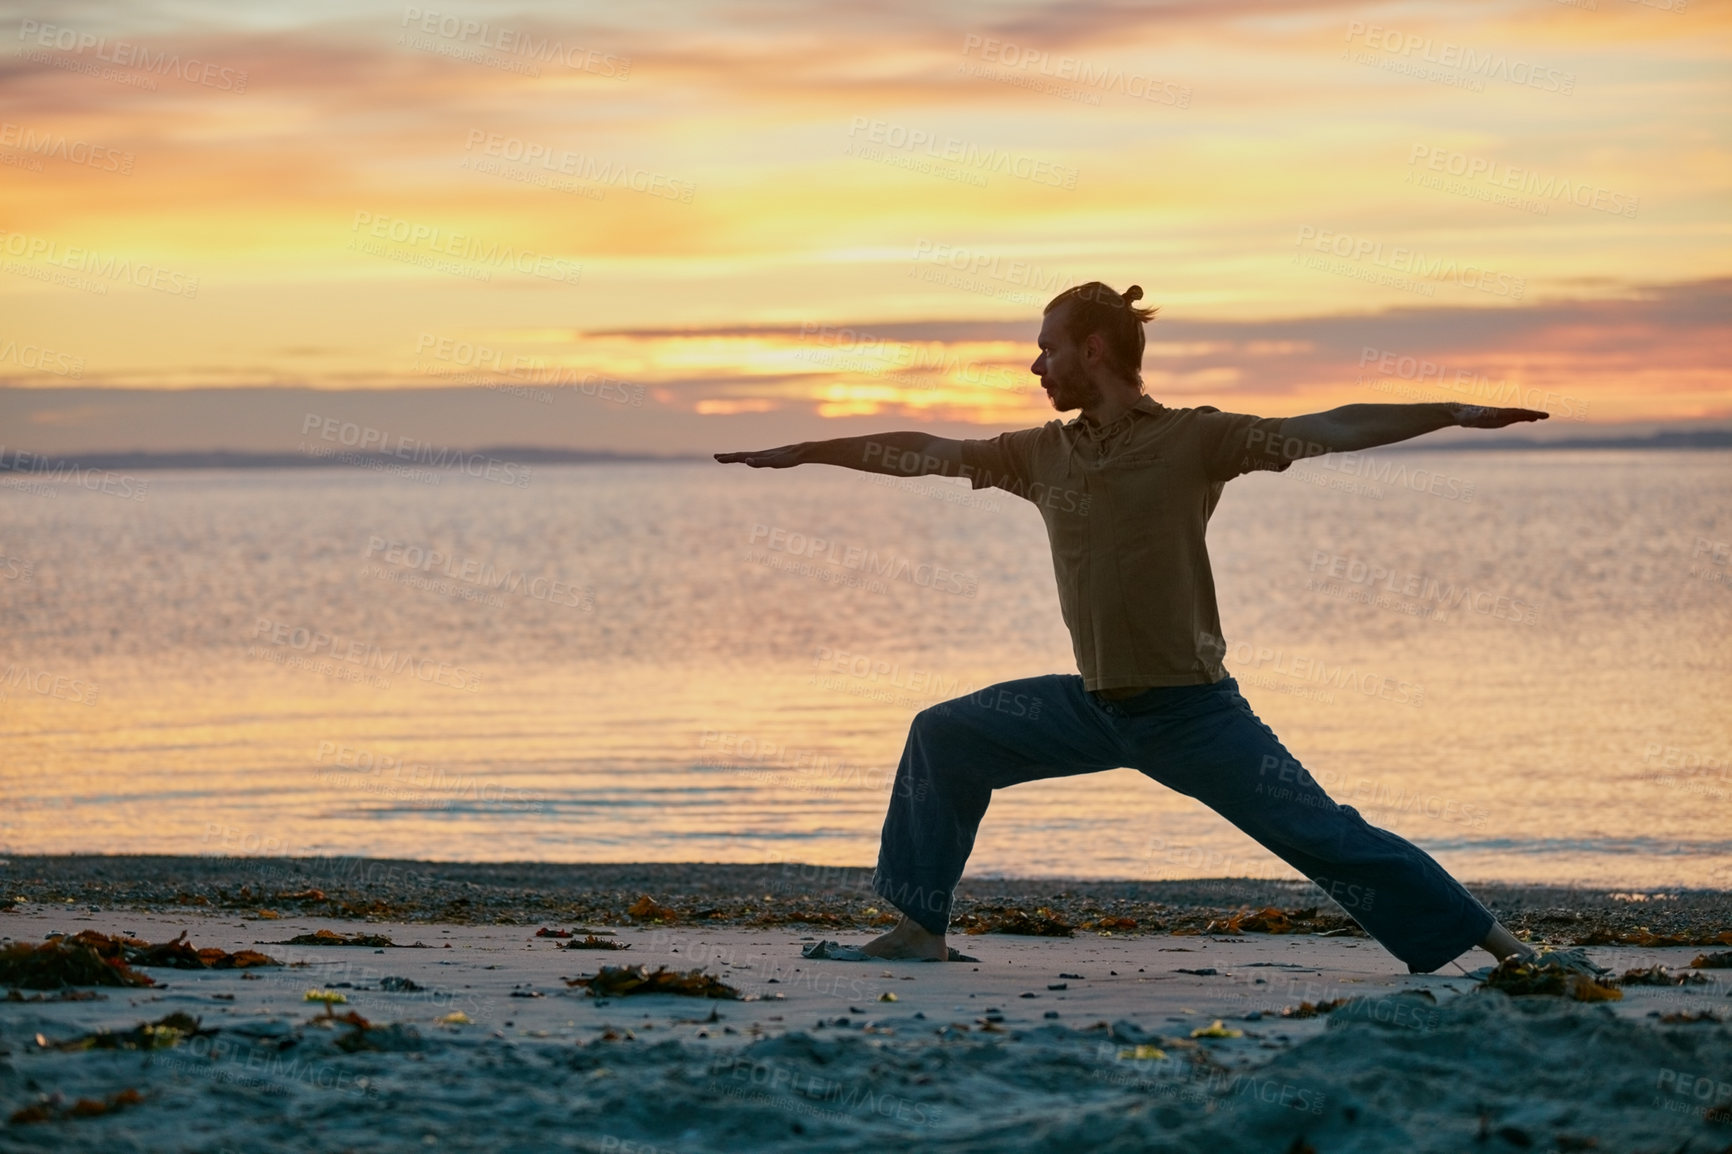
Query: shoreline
x=835, y=898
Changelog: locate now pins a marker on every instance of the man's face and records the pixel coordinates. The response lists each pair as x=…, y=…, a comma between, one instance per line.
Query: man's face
x=1060, y=366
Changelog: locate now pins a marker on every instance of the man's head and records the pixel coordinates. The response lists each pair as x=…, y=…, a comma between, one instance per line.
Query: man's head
x=1091, y=340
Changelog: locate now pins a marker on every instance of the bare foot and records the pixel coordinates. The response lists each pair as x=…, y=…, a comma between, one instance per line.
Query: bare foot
x=910, y=940
x=1502, y=944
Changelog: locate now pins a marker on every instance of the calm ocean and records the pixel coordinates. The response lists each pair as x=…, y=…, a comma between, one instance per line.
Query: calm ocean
x=1522, y=661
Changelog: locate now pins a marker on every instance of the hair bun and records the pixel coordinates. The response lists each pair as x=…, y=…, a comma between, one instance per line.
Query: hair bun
x=1134, y=293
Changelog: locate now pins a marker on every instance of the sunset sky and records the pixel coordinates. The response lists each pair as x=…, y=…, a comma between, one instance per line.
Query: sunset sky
x=769, y=215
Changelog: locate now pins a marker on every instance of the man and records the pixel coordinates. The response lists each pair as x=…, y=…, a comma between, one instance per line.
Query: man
x=1126, y=490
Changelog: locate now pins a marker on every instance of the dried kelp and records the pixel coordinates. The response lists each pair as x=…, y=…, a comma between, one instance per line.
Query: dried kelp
x=61, y=962
x=1042, y=923
x=1550, y=978
x=163, y=1034
x=592, y=942
x=620, y=981
x=333, y=938
x=1661, y=976
x=54, y=1110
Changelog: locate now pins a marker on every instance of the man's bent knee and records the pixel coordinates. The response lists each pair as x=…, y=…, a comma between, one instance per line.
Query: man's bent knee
x=935, y=718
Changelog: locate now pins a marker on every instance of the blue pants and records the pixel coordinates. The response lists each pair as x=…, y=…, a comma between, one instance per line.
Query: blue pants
x=1202, y=740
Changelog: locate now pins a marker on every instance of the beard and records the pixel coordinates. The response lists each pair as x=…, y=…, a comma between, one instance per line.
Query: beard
x=1073, y=390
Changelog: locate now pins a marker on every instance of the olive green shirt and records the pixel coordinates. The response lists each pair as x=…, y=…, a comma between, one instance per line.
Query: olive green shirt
x=1126, y=507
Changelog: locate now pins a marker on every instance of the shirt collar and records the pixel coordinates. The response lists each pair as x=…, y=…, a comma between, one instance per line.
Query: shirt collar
x=1143, y=404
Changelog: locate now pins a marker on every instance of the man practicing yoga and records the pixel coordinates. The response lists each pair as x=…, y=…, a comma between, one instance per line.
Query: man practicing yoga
x=1126, y=490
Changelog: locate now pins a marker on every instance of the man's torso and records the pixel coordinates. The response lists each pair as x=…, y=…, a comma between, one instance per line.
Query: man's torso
x=1126, y=507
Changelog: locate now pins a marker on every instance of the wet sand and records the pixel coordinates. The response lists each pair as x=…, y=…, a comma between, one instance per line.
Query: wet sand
x=836, y=898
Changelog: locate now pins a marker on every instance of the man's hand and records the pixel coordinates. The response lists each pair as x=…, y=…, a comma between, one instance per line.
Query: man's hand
x=783, y=458
x=1482, y=417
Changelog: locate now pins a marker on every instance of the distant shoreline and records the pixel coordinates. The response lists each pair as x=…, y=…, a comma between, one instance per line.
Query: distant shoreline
x=17, y=461
x=25, y=462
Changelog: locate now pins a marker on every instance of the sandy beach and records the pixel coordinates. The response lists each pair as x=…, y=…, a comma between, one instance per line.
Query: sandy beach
x=467, y=1031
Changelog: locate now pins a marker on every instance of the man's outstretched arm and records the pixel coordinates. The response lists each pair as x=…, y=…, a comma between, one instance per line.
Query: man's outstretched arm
x=1364, y=426
x=899, y=454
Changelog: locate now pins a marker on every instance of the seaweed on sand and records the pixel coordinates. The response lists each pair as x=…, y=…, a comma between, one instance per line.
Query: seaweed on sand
x=61, y=962
x=333, y=938
x=1042, y=923
x=163, y=1034
x=1550, y=978
x=619, y=981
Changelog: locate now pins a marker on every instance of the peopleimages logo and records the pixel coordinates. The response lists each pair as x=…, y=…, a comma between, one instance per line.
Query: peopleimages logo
x=1307, y=668
x=43, y=360
x=1335, y=571
x=1472, y=62
x=856, y=350
x=108, y=266
x=94, y=479
x=955, y=150
x=1074, y=69
x=889, y=567
x=1400, y=258
x=798, y=1091
x=46, y=683
x=478, y=573
x=411, y=780
x=990, y=266
x=367, y=439
x=1480, y=388
x=467, y=362
x=364, y=655
x=510, y=42
x=477, y=251
x=61, y=147
x=580, y=166
x=129, y=55
x=1499, y=177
